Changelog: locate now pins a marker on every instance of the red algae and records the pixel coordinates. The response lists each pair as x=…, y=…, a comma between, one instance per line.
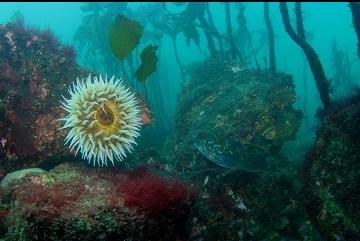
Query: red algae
x=156, y=195
x=69, y=52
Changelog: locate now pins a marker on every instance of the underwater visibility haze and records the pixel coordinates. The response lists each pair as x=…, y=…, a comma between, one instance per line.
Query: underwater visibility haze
x=174, y=121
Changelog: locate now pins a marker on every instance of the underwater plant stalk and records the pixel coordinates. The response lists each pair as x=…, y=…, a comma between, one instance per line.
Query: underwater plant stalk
x=252, y=49
x=123, y=71
x=241, y=17
x=229, y=30
x=137, y=84
x=305, y=101
x=130, y=62
x=317, y=70
x=270, y=30
x=208, y=36
x=301, y=31
x=178, y=59
x=145, y=91
x=299, y=20
x=159, y=101
x=213, y=29
x=347, y=66
x=355, y=11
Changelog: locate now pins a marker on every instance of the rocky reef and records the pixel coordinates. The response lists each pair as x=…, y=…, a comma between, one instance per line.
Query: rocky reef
x=230, y=126
x=35, y=68
x=332, y=171
x=70, y=202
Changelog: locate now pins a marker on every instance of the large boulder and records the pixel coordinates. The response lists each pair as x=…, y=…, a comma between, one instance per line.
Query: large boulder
x=35, y=69
x=235, y=109
x=332, y=171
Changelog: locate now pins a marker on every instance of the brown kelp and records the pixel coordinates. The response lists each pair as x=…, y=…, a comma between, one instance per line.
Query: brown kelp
x=322, y=83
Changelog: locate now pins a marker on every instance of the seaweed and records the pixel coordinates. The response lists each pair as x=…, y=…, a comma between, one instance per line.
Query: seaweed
x=322, y=83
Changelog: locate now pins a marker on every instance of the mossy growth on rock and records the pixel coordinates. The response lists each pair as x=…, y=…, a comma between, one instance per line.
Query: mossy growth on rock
x=252, y=206
x=332, y=171
x=80, y=203
x=251, y=111
x=234, y=108
x=35, y=70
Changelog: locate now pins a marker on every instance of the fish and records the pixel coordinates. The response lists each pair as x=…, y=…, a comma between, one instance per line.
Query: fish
x=231, y=154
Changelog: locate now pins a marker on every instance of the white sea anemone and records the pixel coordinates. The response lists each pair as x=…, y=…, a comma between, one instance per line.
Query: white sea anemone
x=103, y=118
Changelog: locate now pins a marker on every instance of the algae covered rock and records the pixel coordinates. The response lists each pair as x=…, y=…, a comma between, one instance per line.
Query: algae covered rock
x=332, y=171
x=230, y=126
x=35, y=70
x=240, y=205
x=232, y=108
x=79, y=203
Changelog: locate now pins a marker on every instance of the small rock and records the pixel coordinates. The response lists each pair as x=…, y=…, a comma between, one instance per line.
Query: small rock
x=20, y=174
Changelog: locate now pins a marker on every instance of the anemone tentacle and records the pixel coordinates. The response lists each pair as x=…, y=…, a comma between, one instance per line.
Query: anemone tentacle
x=103, y=117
